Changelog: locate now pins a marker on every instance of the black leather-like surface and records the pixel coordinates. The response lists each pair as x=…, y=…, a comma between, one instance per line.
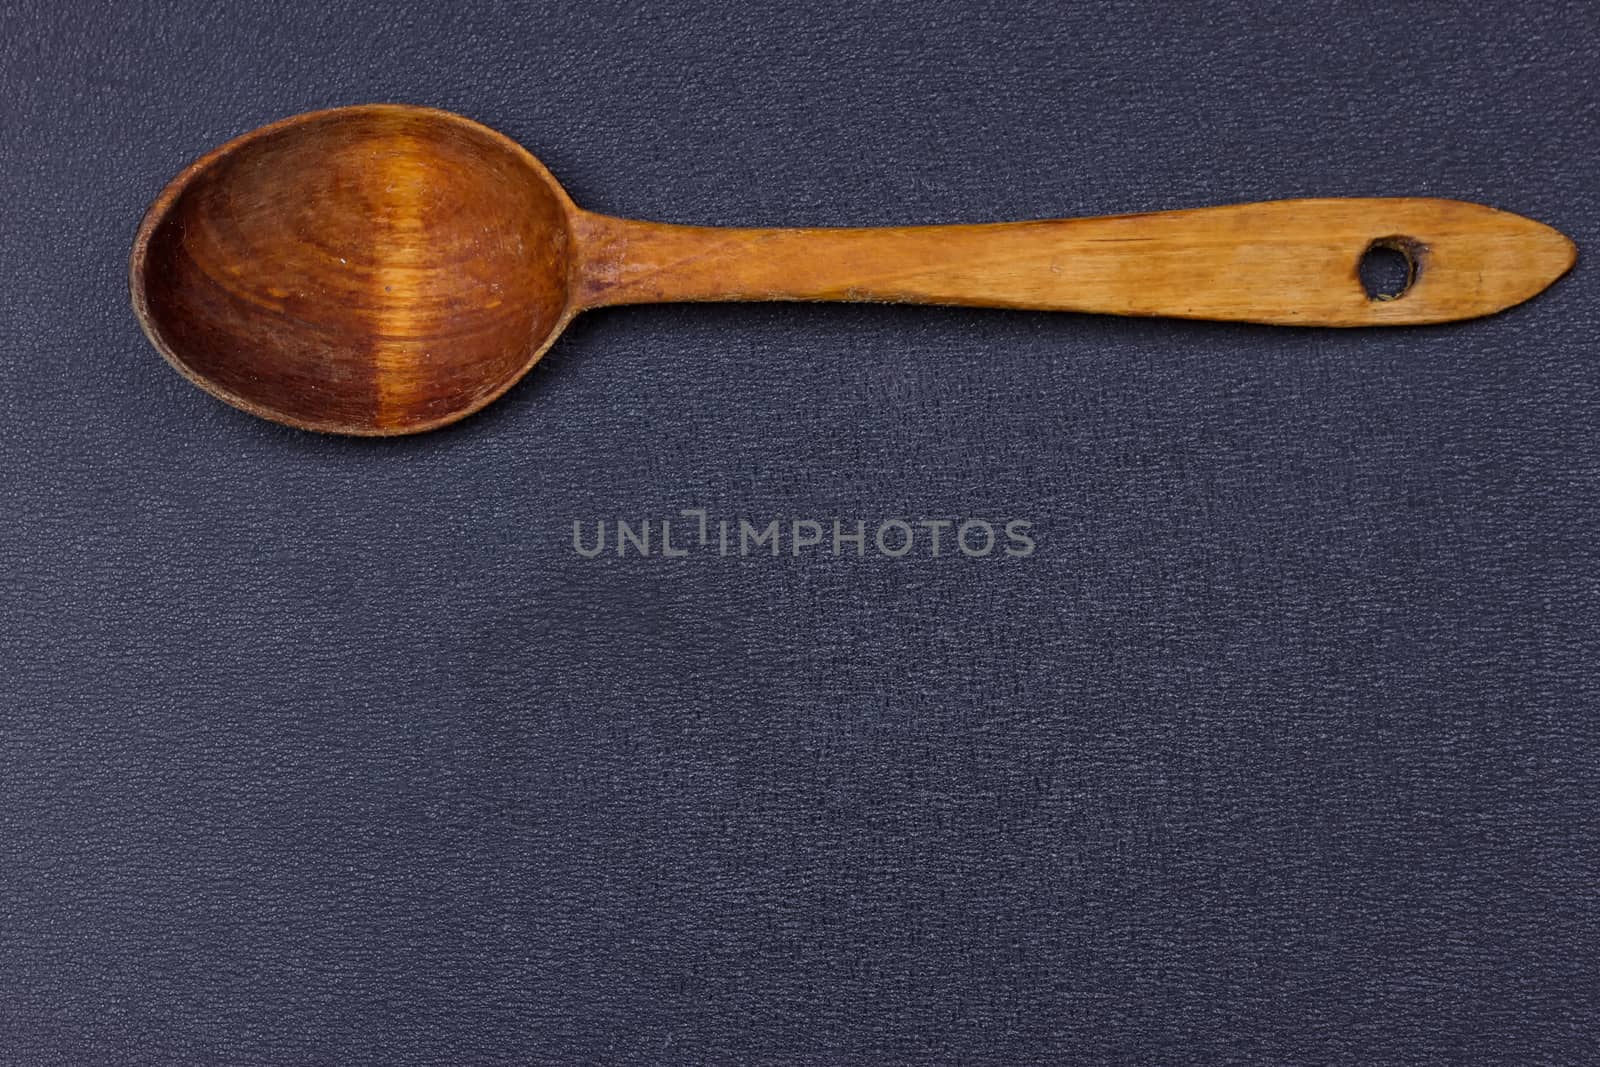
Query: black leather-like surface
x=1282, y=747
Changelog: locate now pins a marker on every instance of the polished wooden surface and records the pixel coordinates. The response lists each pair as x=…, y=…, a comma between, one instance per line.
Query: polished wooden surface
x=1290, y=262
x=375, y=270
x=390, y=269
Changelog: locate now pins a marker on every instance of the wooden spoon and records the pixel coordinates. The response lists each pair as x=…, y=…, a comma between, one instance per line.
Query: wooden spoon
x=389, y=269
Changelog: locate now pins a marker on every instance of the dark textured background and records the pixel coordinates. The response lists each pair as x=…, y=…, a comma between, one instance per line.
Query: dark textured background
x=1282, y=748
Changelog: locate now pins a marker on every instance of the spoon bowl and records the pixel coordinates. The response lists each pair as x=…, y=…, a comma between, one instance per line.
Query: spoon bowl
x=366, y=270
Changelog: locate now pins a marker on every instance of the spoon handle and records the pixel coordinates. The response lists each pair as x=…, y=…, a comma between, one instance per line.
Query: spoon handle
x=1288, y=261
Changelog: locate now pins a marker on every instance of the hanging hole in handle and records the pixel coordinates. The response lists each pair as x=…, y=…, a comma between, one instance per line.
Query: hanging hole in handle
x=1389, y=267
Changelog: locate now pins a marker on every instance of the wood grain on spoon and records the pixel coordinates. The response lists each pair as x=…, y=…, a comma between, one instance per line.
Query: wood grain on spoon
x=390, y=269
